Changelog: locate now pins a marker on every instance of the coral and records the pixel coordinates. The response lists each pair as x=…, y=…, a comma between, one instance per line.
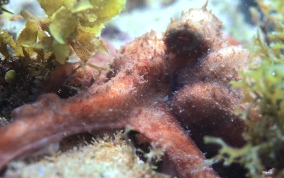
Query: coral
x=262, y=84
x=158, y=87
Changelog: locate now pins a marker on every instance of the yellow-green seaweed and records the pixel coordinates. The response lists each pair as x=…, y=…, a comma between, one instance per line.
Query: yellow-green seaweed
x=61, y=32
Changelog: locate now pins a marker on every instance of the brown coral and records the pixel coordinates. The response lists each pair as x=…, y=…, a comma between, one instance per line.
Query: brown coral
x=158, y=87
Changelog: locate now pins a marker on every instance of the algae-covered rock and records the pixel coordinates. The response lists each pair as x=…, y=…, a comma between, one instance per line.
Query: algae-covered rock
x=106, y=157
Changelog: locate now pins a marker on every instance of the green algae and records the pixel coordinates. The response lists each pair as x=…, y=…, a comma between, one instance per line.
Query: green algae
x=60, y=33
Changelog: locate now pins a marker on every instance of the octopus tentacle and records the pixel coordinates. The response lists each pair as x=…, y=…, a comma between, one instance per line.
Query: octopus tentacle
x=159, y=125
x=105, y=107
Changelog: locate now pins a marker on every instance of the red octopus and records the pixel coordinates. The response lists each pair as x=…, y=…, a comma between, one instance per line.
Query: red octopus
x=160, y=88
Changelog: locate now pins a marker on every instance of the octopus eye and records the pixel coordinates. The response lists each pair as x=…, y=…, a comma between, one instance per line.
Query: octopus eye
x=183, y=41
x=183, y=37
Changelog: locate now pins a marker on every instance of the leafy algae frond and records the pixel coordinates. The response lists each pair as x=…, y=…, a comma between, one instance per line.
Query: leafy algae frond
x=72, y=26
x=263, y=86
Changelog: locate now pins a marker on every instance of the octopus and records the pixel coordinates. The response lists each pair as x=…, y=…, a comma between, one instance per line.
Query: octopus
x=172, y=90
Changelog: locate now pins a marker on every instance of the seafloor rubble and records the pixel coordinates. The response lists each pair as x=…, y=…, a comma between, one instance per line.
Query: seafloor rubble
x=160, y=88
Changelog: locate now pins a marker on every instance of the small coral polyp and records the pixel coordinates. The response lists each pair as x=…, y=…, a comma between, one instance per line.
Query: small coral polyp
x=145, y=72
